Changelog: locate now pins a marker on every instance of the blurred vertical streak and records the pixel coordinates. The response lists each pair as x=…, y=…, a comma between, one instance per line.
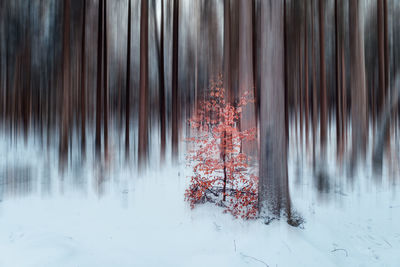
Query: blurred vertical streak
x=83, y=83
x=105, y=84
x=175, y=46
x=65, y=87
x=128, y=83
x=323, y=94
x=99, y=72
x=143, y=98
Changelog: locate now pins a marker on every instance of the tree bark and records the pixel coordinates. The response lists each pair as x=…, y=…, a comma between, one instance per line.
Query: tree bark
x=358, y=90
x=83, y=85
x=314, y=77
x=105, y=77
x=143, y=130
x=381, y=56
x=128, y=83
x=306, y=93
x=273, y=183
x=246, y=83
x=66, y=86
x=323, y=97
x=99, y=76
x=175, y=116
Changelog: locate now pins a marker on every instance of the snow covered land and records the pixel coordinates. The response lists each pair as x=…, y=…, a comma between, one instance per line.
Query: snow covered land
x=116, y=217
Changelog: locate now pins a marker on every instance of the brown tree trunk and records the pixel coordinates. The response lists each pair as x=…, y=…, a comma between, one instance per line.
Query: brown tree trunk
x=273, y=183
x=338, y=96
x=162, y=85
x=323, y=97
x=99, y=73
x=143, y=97
x=175, y=116
x=246, y=83
x=344, y=100
x=227, y=45
x=358, y=90
x=66, y=87
x=306, y=93
x=314, y=77
x=83, y=86
x=161, y=77
x=105, y=84
x=381, y=57
x=128, y=83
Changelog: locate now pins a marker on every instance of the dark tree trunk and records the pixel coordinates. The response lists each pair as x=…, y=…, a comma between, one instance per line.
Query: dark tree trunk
x=338, y=91
x=381, y=57
x=162, y=85
x=99, y=73
x=105, y=83
x=306, y=93
x=323, y=96
x=358, y=90
x=128, y=83
x=175, y=116
x=314, y=77
x=66, y=87
x=273, y=183
x=83, y=85
x=246, y=83
x=143, y=97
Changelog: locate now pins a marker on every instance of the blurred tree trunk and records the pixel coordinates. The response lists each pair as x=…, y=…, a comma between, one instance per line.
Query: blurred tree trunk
x=128, y=83
x=358, y=90
x=273, y=183
x=65, y=87
x=227, y=50
x=381, y=57
x=246, y=83
x=306, y=93
x=323, y=96
x=83, y=85
x=105, y=84
x=338, y=95
x=143, y=97
x=161, y=77
x=99, y=72
x=162, y=85
x=175, y=46
x=314, y=77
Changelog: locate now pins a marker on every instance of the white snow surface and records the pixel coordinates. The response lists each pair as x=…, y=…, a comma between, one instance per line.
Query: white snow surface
x=120, y=218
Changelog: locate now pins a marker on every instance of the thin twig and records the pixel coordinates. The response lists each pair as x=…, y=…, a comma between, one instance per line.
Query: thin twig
x=247, y=256
x=342, y=249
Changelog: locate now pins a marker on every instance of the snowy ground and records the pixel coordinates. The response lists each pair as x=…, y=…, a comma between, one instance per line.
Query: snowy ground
x=120, y=218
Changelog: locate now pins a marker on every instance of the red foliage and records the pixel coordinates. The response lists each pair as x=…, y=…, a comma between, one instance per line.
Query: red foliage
x=221, y=173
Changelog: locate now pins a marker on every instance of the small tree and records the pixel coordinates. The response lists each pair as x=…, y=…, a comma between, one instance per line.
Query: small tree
x=221, y=172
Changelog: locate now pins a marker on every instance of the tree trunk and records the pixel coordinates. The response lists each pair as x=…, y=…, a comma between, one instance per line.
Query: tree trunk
x=381, y=56
x=273, y=183
x=162, y=85
x=246, y=83
x=83, y=86
x=66, y=87
x=227, y=45
x=306, y=93
x=314, y=77
x=99, y=72
x=128, y=83
x=175, y=116
x=143, y=130
x=105, y=77
x=358, y=91
x=323, y=97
